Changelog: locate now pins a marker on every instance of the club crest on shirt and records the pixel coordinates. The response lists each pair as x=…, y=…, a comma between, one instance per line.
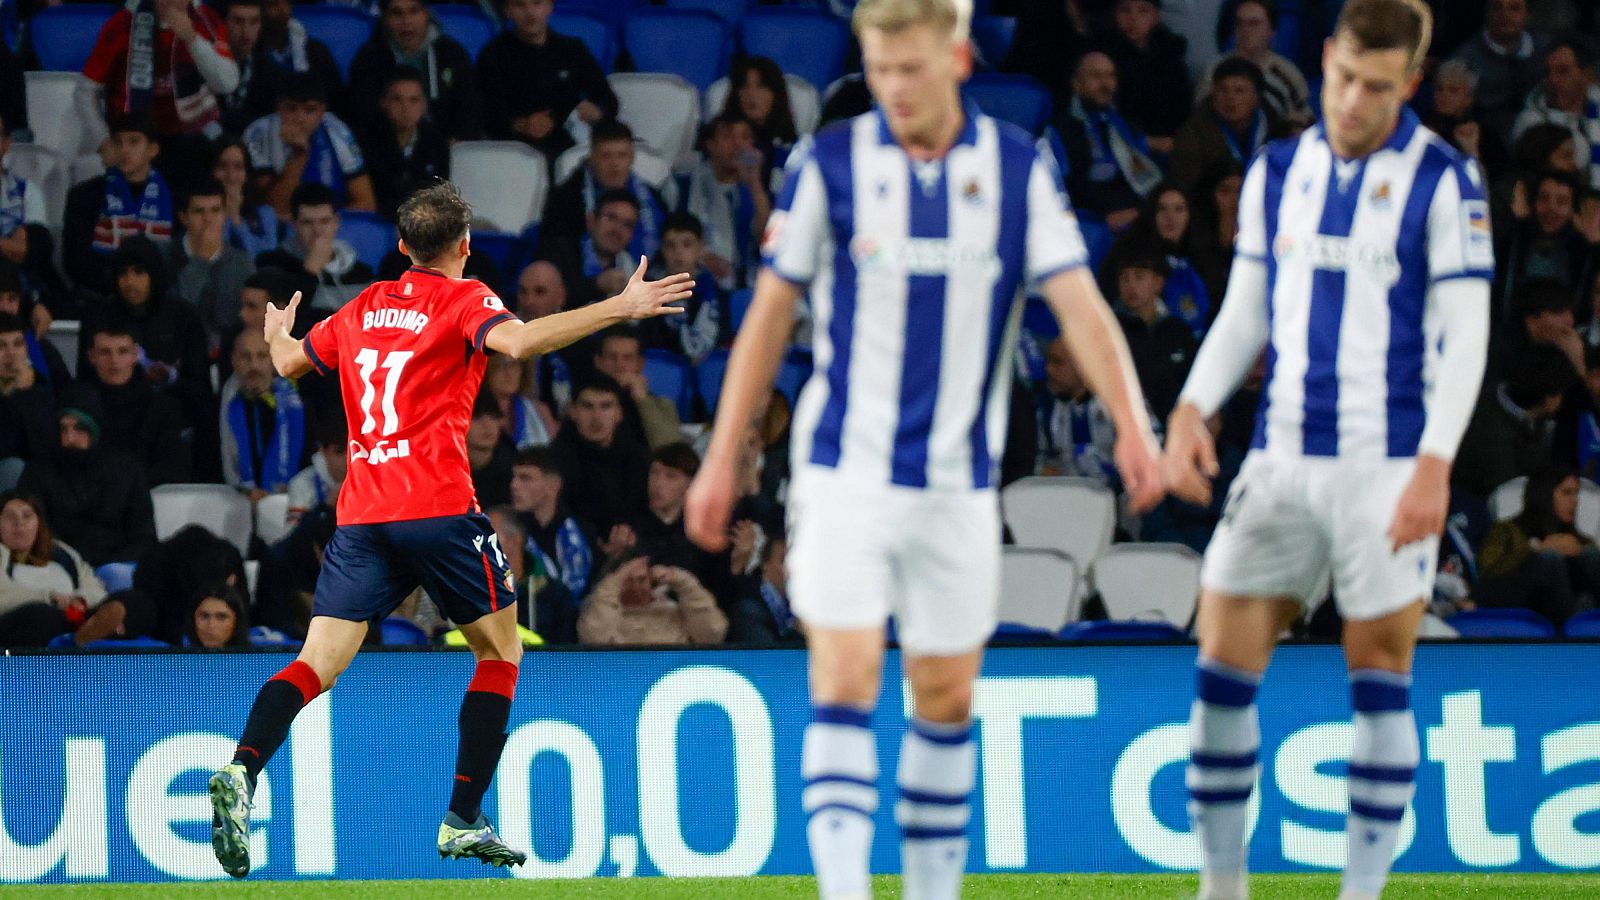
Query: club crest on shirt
x=1380, y=196
x=972, y=194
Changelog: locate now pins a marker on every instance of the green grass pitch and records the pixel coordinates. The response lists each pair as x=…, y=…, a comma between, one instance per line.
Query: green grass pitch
x=978, y=887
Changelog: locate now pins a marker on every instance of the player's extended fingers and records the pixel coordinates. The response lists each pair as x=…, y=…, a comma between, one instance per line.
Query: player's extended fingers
x=1207, y=453
x=638, y=274
x=294, y=303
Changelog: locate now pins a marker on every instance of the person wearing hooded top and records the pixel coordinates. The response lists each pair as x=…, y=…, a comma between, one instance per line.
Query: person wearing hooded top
x=96, y=497
x=139, y=420
x=406, y=35
x=27, y=403
x=130, y=200
x=556, y=75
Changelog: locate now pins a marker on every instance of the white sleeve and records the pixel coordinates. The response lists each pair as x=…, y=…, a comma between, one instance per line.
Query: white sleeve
x=33, y=208
x=1251, y=241
x=1460, y=243
x=221, y=73
x=1054, y=243
x=1462, y=308
x=798, y=225
x=1234, y=342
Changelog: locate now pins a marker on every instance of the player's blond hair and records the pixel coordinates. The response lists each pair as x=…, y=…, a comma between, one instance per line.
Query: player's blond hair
x=951, y=18
x=1389, y=25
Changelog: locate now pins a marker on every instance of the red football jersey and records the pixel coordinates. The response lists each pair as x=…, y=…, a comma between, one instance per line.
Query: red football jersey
x=410, y=355
x=175, y=72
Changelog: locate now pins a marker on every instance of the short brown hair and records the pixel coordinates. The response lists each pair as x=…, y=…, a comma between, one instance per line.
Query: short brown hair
x=1389, y=25
x=431, y=220
x=948, y=17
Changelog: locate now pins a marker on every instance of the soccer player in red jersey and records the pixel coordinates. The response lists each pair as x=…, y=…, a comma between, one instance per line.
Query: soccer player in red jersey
x=411, y=356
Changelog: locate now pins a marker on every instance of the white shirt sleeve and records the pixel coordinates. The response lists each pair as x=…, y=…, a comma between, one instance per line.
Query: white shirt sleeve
x=1462, y=307
x=1054, y=243
x=221, y=74
x=798, y=226
x=1460, y=243
x=1251, y=241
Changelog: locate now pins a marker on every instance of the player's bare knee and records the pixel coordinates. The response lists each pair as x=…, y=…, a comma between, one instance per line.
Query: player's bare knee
x=944, y=699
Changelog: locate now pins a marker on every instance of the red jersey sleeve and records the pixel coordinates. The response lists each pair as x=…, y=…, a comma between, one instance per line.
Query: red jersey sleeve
x=480, y=312
x=109, y=48
x=322, y=344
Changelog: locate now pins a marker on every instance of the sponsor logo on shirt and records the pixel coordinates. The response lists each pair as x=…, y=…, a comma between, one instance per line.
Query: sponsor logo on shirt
x=380, y=453
x=923, y=256
x=1338, y=254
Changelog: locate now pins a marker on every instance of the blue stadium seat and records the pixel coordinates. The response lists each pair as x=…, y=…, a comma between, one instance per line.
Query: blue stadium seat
x=993, y=36
x=467, y=24
x=372, y=235
x=1112, y=630
x=730, y=11
x=610, y=11
x=508, y=252
x=801, y=41
x=660, y=40
x=738, y=305
x=598, y=34
x=793, y=373
x=1096, y=238
x=1017, y=99
x=343, y=29
x=1502, y=623
x=708, y=377
x=1584, y=625
x=64, y=35
x=398, y=631
x=670, y=376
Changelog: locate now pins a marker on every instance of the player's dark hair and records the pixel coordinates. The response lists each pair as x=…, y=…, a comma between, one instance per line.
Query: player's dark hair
x=1537, y=296
x=278, y=284
x=1239, y=67
x=683, y=221
x=616, y=195
x=546, y=459
x=1538, y=373
x=203, y=187
x=433, y=219
x=312, y=194
x=678, y=456
x=607, y=130
x=400, y=74
x=10, y=322
x=1389, y=25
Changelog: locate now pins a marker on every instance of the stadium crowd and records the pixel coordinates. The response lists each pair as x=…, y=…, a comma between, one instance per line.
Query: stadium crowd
x=237, y=145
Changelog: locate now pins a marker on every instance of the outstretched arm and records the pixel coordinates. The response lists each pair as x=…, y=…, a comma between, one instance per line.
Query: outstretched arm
x=639, y=300
x=288, y=355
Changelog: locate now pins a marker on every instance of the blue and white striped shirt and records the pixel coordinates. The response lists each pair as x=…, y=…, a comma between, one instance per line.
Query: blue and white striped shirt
x=915, y=272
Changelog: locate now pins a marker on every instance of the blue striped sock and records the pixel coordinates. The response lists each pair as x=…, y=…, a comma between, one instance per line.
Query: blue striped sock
x=1223, y=741
x=936, y=773
x=839, y=762
x=1383, y=768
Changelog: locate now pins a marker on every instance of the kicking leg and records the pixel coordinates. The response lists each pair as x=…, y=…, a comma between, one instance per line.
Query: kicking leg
x=839, y=758
x=1237, y=637
x=936, y=773
x=466, y=831
x=1385, y=752
x=330, y=645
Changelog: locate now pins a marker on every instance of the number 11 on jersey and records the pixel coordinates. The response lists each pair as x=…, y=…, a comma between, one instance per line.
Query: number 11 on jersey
x=395, y=362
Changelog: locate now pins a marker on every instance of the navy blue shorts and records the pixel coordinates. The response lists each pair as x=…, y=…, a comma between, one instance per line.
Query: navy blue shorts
x=368, y=570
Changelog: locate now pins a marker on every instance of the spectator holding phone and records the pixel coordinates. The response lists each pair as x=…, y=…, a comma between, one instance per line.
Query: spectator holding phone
x=728, y=195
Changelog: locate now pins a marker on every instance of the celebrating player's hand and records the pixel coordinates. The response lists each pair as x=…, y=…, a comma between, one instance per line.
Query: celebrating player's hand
x=1190, y=461
x=1139, y=462
x=281, y=321
x=708, y=505
x=646, y=299
x=1422, y=508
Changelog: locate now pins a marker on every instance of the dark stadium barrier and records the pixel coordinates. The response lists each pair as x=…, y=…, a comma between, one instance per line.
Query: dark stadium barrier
x=686, y=763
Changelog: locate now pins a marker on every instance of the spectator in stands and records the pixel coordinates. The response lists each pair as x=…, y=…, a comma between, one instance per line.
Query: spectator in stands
x=607, y=469
x=263, y=423
x=1568, y=97
x=728, y=194
x=1215, y=211
x=269, y=44
x=639, y=604
x=1544, y=308
x=25, y=239
x=562, y=548
x=1232, y=124
x=540, y=291
x=97, y=498
x=1162, y=345
x=139, y=421
x=1154, y=88
x=1513, y=428
x=131, y=199
x=327, y=271
x=620, y=356
x=46, y=588
x=169, y=58
x=208, y=273
x=1253, y=27
x=289, y=572
x=265, y=285
x=609, y=168
x=759, y=93
x=1106, y=160
x=317, y=485
x=1545, y=238
x=172, y=341
x=27, y=403
x=46, y=360
x=251, y=224
x=1164, y=222
x=178, y=572
x=1507, y=61
x=1076, y=434
x=554, y=76
x=660, y=531
x=525, y=422
x=220, y=621
x=1538, y=559
x=767, y=617
x=489, y=453
x=404, y=150
x=302, y=143
x=1545, y=147
x=701, y=328
x=1456, y=118
x=406, y=35
x=597, y=264
x=1050, y=37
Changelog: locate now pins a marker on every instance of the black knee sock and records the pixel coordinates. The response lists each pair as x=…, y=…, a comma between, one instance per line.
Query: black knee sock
x=484, y=712
x=278, y=702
